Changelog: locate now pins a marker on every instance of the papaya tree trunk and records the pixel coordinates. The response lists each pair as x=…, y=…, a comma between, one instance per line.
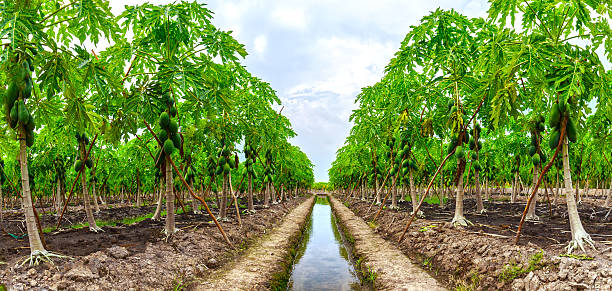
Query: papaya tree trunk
x=59, y=199
x=36, y=244
x=95, y=197
x=459, y=219
x=170, y=224
x=157, y=214
x=413, y=197
x=609, y=198
x=479, y=204
x=195, y=202
x=267, y=195
x=531, y=215
x=223, y=203
x=579, y=235
x=138, y=194
x=250, y=206
x=90, y=217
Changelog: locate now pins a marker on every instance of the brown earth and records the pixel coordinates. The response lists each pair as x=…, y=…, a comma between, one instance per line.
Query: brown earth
x=484, y=257
x=393, y=270
x=136, y=256
x=269, y=258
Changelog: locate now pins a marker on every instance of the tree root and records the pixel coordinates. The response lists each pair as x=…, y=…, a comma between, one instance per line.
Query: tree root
x=532, y=218
x=483, y=211
x=579, y=239
x=38, y=257
x=95, y=229
x=462, y=221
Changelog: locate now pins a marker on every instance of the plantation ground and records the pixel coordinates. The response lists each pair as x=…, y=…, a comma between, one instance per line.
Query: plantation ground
x=483, y=256
x=135, y=255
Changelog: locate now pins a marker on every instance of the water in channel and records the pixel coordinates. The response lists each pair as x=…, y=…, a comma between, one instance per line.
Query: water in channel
x=322, y=261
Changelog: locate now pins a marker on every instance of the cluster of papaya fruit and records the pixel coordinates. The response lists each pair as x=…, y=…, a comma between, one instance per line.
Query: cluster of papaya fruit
x=190, y=174
x=269, y=172
x=455, y=143
x=475, y=145
x=250, y=154
x=558, y=113
x=79, y=163
x=225, y=163
x=402, y=160
x=169, y=134
x=535, y=151
x=18, y=91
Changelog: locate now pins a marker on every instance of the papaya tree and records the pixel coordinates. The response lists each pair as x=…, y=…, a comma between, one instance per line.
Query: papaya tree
x=37, y=62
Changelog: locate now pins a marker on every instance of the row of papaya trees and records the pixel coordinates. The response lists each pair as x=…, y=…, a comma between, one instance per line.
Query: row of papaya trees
x=164, y=105
x=520, y=95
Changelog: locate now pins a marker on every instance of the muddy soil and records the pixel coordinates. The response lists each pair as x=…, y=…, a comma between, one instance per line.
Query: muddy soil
x=134, y=256
x=380, y=259
x=483, y=256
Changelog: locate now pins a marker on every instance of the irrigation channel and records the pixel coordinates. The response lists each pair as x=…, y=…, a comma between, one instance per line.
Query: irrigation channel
x=323, y=260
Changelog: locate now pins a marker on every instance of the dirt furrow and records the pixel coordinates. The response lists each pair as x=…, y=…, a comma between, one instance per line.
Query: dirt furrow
x=389, y=267
x=265, y=260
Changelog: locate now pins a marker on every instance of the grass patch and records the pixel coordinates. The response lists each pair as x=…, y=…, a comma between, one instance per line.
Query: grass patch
x=433, y=200
x=513, y=270
x=577, y=257
x=426, y=228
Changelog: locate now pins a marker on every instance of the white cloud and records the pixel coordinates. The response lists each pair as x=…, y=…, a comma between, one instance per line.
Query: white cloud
x=289, y=17
x=260, y=44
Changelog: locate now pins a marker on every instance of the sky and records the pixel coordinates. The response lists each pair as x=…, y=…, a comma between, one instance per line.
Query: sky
x=318, y=54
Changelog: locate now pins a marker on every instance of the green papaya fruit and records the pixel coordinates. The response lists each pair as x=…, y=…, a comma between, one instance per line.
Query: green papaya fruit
x=222, y=160
x=163, y=136
x=14, y=112
x=226, y=168
x=405, y=171
x=554, y=139
x=27, y=90
x=169, y=147
x=405, y=163
x=29, y=138
x=555, y=116
x=89, y=163
x=11, y=93
x=412, y=165
x=176, y=140
x=173, y=111
x=77, y=165
x=173, y=127
x=164, y=120
x=572, y=133
x=460, y=153
x=535, y=159
x=453, y=109
x=30, y=65
x=471, y=144
x=532, y=150
x=22, y=113
x=393, y=172
x=541, y=127
x=474, y=156
x=30, y=125
x=476, y=165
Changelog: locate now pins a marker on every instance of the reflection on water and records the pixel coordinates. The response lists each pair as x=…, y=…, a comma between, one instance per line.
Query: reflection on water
x=322, y=262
